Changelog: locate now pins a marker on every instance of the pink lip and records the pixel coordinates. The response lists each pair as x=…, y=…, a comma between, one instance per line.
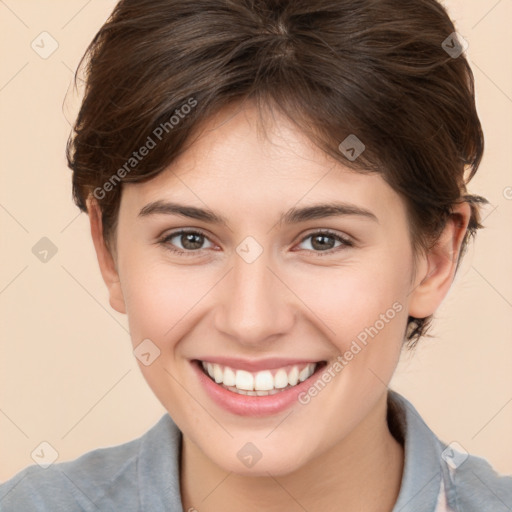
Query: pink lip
x=256, y=366
x=245, y=405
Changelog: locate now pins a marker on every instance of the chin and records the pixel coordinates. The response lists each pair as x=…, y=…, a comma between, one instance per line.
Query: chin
x=255, y=459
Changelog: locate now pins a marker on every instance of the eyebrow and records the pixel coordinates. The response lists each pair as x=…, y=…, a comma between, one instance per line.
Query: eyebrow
x=292, y=216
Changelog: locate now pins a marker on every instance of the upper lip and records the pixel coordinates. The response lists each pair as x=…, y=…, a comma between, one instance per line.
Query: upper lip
x=257, y=365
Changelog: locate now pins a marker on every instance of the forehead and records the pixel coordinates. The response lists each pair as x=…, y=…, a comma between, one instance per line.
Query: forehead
x=245, y=158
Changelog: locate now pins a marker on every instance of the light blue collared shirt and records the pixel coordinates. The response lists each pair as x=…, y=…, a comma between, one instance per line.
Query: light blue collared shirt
x=143, y=475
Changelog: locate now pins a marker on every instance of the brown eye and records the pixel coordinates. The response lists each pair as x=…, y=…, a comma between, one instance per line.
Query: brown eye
x=185, y=241
x=324, y=241
x=191, y=241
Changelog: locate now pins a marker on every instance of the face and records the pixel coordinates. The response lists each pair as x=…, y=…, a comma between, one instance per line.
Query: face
x=297, y=315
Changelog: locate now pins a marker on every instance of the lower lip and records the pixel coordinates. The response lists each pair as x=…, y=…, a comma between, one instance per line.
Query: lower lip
x=245, y=405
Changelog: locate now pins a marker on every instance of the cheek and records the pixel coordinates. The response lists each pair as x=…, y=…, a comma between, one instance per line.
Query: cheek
x=161, y=305
x=160, y=297
x=363, y=313
x=355, y=301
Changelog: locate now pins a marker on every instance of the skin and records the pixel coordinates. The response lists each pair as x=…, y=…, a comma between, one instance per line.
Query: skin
x=335, y=450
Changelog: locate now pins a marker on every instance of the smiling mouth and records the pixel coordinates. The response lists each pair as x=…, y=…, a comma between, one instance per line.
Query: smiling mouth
x=261, y=383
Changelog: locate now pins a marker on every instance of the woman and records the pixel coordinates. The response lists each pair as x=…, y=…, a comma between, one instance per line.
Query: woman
x=277, y=199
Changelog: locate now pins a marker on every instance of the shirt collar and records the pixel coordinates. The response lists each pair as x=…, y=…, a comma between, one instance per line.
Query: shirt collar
x=421, y=478
x=158, y=470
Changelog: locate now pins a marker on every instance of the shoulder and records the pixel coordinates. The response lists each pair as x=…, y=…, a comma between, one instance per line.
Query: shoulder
x=105, y=478
x=433, y=467
x=73, y=485
x=472, y=484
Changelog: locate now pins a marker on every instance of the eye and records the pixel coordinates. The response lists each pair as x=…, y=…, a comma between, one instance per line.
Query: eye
x=324, y=242
x=191, y=241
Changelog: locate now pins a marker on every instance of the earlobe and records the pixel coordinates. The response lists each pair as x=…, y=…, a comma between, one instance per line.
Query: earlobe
x=105, y=259
x=439, y=265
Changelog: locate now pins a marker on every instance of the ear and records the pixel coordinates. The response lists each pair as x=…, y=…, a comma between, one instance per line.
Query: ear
x=105, y=259
x=439, y=265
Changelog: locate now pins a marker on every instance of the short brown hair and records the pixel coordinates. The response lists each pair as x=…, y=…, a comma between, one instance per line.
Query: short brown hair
x=376, y=69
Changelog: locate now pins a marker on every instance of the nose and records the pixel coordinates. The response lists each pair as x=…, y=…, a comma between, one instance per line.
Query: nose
x=255, y=306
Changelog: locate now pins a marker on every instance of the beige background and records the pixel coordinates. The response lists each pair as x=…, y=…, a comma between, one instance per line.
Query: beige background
x=67, y=373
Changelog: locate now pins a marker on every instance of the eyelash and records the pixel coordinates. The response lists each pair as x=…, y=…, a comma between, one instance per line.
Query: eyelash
x=165, y=241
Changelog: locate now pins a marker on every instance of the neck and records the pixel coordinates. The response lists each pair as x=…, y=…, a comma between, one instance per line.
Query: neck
x=362, y=472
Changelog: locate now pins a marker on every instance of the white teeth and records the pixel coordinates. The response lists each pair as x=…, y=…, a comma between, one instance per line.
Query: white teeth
x=280, y=379
x=293, y=376
x=264, y=381
x=304, y=374
x=244, y=380
x=218, y=374
x=260, y=383
x=229, y=377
